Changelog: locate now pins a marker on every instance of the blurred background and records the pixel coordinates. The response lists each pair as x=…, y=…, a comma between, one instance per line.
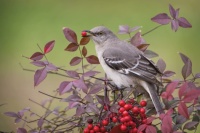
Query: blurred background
x=26, y=23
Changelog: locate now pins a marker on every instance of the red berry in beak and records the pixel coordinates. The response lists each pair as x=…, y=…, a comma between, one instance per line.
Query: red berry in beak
x=84, y=34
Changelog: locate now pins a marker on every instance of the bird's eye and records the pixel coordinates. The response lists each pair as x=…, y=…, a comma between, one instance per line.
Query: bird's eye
x=100, y=33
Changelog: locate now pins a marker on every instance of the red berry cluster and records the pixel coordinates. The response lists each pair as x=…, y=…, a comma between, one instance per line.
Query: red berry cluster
x=129, y=117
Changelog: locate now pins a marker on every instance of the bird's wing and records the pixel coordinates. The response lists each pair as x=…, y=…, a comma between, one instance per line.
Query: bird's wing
x=130, y=63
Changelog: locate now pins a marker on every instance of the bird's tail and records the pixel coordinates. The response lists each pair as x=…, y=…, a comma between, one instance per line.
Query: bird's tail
x=151, y=89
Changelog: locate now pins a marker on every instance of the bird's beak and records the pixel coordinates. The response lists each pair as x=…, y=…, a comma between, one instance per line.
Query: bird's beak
x=89, y=33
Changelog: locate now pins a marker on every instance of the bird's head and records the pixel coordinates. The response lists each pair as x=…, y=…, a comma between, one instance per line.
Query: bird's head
x=100, y=34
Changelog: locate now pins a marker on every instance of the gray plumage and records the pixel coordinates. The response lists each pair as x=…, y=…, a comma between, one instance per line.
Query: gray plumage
x=125, y=64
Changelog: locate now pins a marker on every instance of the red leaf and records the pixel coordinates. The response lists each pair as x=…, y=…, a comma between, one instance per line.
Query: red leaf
x=171, y=87
x=182, y=109
x=75, y=61
x=39, y=76
x=172, y=11
x=150, y=129
x=92, y=59
x=184, y=23
x=49, y=46
x=72, y=47
x=191, y=95
x=161, y=18
x=174, y=25
x=37, y=56
x=166, y=126
x=70, y=35
x=142, y=128
x=182, y=90
x=84, y=51
x=84, y=41
x=161, y=65
x=21, y=130
x=142, y=47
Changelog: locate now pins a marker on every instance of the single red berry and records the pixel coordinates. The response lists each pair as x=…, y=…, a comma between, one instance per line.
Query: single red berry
x=127, y=118
x=86, y=130
x=114, y=119
x=121, y=110
x=144, y=121
x=122, y=120
x=92, y=131
x=90, y=126
x=143, y=103
x=96, y=129
x=130, y=106
x=90, y=121
x=121, y=103
x=126, y=107
x=142, y=110
x=84, y=34
x=135, y=130
x=125, y=113
x=135, y=110
x=123, y=127
x=104, y=122
x=103, y=129
x=132, y=124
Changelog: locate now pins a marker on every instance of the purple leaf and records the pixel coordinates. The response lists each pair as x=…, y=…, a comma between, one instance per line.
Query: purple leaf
x=81, y=84
x=40, y=122
x=17, y=120
x=65, y=86
x=88, y=98
x=80, y=110
x=84, y=51
x=93, y=108
x=142, y=128
x=72, y=74
x=187, y=68
x=100, y=99
x=38, y=63
x=72, y=47
x=184, y=23
x=191, y=124
x=49, y=46
x=75, y=61
x=95, y=89
x=114, y=108
x=161, y=18
x=182, y=109
x=172, y=11
x=123, y=29
x=174, y=25
x=39, y=76
x=168, y=73
x=136, y=39
x=37, y=56
x=72, y=98
x=92, y=59
x=177, y=13
x=45, y=101
x=51, y=67
x=90, y=73
x=135, y=28
x=11, y=114
x=150, y=54
x=21, y=130
x=70, y=35
x=84, y=41
x=197, y=75
x=161, y=65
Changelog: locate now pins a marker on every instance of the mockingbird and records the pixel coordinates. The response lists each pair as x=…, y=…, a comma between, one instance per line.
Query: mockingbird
x=124, y=64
